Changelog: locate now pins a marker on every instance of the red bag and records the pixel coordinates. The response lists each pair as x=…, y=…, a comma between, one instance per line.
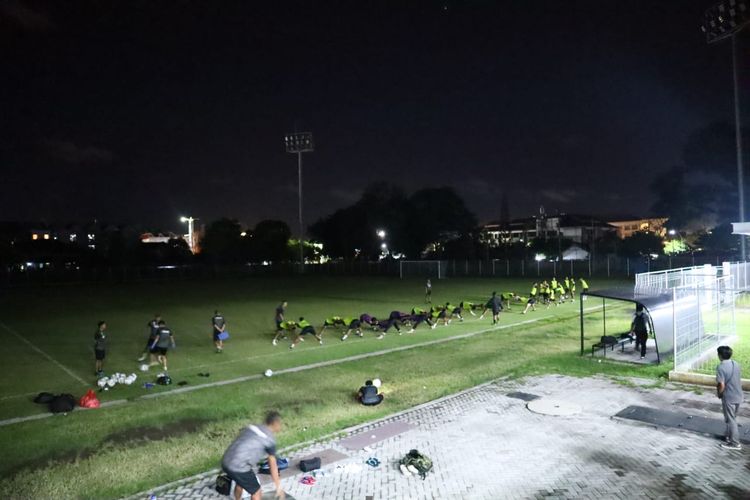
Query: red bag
x=89, y=400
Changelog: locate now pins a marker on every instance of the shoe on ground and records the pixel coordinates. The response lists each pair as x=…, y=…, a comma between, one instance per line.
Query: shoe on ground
x=434, y=325
x=404, y=470
x=731, y=446
x=411, y=331
x=380, y=336
x=412, y=469
x=274, y=342
x=643, y=357
x=320, y=342
x=291, y=346
x=344, y=337
x=360, y=334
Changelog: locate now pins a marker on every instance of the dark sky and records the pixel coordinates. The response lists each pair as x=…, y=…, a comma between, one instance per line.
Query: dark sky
x=141, y=111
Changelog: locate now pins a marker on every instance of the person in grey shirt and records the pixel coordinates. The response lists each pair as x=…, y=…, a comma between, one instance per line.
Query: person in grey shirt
x=729, y=390
x=251, y=446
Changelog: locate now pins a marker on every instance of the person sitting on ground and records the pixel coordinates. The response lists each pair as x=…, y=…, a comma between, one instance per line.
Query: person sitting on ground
x=368, y=394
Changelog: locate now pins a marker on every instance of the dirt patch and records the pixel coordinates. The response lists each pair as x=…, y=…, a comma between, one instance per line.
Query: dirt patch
x=125, y=438
x=137, y=434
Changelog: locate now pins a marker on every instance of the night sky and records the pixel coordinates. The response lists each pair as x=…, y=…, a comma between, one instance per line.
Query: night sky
x=142, y=111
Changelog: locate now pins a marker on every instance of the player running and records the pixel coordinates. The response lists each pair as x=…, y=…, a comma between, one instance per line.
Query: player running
x=164, y=340
x=531, y=304
x=219, y=325
x=584, y=287
x=306, y=328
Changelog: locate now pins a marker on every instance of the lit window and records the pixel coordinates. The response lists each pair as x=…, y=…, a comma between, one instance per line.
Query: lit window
x=34, y=236
x=46, y=236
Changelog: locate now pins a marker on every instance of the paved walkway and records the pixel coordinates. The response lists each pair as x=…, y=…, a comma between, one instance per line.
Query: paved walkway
x=487, y=445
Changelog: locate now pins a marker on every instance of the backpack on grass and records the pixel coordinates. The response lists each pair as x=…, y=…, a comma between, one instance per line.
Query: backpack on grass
x=44, y=398
x=419, y=460
x=63, y=403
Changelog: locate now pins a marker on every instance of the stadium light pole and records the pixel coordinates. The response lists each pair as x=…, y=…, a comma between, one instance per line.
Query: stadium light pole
x=723, y=20
x=190, y=221
x=298, y=143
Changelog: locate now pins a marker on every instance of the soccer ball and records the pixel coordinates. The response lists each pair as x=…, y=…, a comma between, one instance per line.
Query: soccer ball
x=111, y=382
x=376, y=382
x=144, y=367
x=269, y=372
x=102, y=382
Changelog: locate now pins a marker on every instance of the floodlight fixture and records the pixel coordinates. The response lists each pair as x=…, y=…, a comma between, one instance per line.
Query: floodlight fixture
x=298, y=143
x=381, y=233
x=191, y=238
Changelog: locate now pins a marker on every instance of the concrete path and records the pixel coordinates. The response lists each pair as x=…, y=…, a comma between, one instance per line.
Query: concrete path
x=487, y=445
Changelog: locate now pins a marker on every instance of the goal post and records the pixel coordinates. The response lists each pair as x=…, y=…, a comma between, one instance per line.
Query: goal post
x=422, y=268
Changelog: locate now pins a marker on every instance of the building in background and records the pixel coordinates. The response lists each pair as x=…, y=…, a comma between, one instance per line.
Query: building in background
x=628, y=225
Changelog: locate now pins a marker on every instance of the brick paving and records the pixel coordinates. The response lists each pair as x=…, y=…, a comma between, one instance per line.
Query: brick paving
x=486, y=445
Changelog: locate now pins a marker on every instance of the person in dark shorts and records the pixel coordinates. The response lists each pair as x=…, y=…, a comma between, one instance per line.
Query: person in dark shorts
x=254, y=443
x=496, y=305
x=153, y=330
x=640, y=327
x=332, y=322
x=279, y=319
x=305, y=328
x=428, y=292
x=100, y=347
x=531, y=304
x=419, y=316
x=351, y=325
x=368, y=394
x=164, y=340
x=385, y=325
x=219, y=326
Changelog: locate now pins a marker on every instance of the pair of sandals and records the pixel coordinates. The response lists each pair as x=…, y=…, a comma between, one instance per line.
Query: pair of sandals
x=372, y=462
x=308, y=480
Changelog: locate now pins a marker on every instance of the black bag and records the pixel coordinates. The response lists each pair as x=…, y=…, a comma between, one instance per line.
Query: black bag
x=62, y=403
x=44, y=398
x=223, y=485
x=281, y=464
x=608, y=340
x=309, y=464
x=164, y=380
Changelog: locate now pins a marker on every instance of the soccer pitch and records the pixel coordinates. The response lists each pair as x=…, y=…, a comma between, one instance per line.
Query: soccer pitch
x=145, y=437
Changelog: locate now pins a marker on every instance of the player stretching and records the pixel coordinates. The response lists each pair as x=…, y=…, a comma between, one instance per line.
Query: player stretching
x=284, y=328
x=351, y=324
x=332, y=322
x=306, y=328
x=465, y=305
x=386, y=325
x=419, y=316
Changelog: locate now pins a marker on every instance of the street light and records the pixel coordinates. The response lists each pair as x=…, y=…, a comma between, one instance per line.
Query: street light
x=381, y=233
x=725, y=20
x=191, y=242
x=299, y=142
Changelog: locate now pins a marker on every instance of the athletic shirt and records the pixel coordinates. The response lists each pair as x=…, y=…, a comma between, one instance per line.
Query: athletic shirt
x=100, y=341
x=507, y=295
x=348, y=321
x=218, y=321
x=164, y=337
x=250, y=447
x=304, y=323
x=153, y=326
x=279, y=313
x=533, y=291
x=584, y=284
x=288, y=325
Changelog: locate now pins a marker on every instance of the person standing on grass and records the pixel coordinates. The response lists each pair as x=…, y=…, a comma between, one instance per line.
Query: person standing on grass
x=428, y=292
x=100, y=347
x=584, y=287
x=153, y=331
x=164, y=340
x=639, y=328
x=279, y=319
x=253, y=444
x=496, y=305
x=531, y=304
x=729, y=390
x=572, y=289
x=219, y=326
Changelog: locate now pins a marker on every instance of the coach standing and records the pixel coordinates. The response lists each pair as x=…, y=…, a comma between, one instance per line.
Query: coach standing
x=100, y=347
x=729, y=390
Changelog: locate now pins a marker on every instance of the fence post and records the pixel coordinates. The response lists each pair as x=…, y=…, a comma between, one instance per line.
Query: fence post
x=523, y=262
x=554, y=268
x=674, y=327
x=608, y=266
x=507, y=267
x=627, y=267
x=537, y=268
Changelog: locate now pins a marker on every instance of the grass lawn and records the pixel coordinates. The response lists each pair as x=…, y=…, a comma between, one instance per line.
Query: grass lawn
x=130, y=447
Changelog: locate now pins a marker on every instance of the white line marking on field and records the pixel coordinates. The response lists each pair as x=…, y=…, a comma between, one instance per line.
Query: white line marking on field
x=50, y=358
x=299, y=368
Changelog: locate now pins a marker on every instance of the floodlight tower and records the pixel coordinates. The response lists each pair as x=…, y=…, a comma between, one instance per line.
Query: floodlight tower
x=725, y=20
x=300, y=142
x=191, y=240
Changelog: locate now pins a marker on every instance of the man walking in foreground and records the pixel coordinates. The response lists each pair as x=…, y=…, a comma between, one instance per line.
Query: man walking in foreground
x=250, y=447
x=729, y=390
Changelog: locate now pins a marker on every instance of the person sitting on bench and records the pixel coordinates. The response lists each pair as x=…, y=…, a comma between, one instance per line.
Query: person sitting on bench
x=368, y=394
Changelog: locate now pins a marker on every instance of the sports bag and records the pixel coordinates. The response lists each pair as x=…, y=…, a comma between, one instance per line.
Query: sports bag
x=44, y=398
x=223, y=336
x=608, y=340
x=223, y=484
x=89, y=400
x=164, y=380
x=281, y=464
x=62, y=403
x=420, y=461
x=309, y=464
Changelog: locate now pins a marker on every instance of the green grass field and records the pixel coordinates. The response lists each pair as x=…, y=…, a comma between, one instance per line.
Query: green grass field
x=144, y=442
